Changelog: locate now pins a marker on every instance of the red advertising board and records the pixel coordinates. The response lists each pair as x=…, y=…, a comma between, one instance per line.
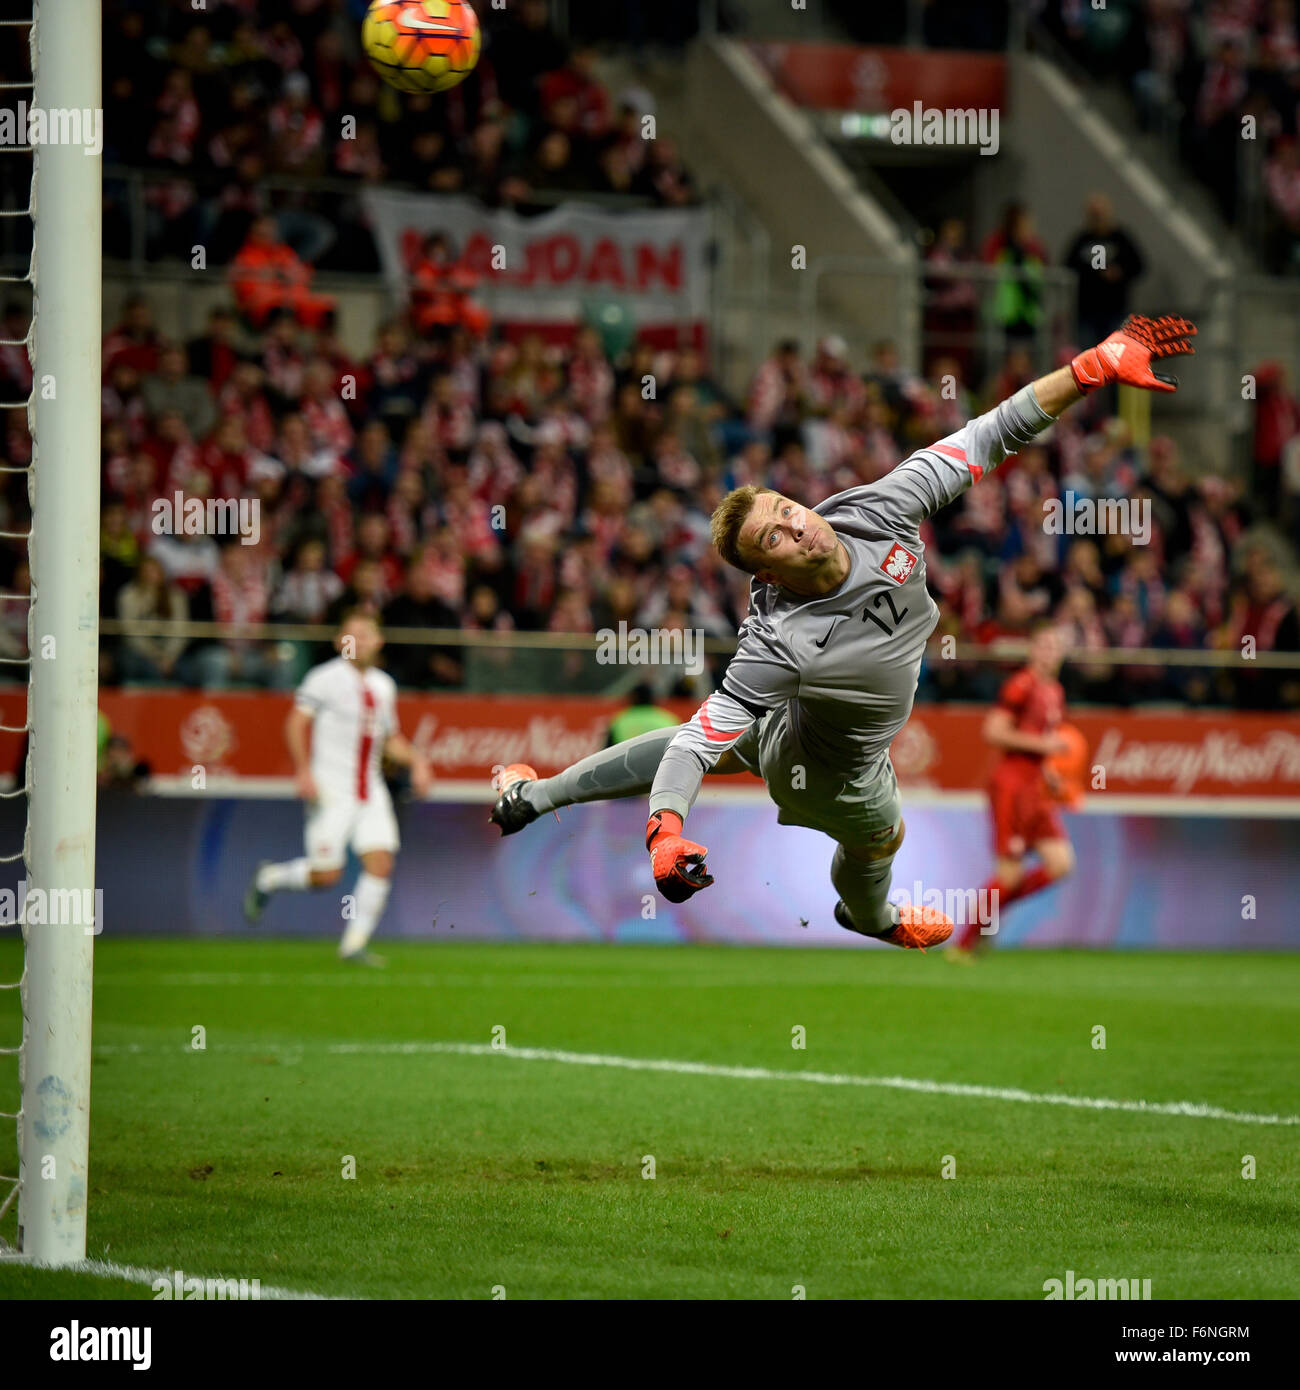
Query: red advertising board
x=1170, y=754
x=842, y=77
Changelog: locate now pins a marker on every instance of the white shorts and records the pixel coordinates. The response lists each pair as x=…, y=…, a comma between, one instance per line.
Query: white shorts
x=335, y=824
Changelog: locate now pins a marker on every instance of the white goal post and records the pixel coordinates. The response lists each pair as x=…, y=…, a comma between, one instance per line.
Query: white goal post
x=63, y=637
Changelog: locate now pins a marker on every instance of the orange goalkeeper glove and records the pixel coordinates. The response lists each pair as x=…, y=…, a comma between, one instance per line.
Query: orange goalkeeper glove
x=677, y=864
x=1127, y=354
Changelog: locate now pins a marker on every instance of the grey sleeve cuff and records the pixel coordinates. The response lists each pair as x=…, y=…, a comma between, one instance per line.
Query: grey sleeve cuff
x=1033, y=414
x=670, y=801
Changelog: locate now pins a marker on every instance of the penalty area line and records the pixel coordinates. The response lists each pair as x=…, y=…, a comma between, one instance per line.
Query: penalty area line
x=1185, y=1108
x=133, y=1274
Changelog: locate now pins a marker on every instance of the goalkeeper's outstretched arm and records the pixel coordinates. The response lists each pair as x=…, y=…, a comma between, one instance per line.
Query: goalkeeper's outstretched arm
x=934, y=476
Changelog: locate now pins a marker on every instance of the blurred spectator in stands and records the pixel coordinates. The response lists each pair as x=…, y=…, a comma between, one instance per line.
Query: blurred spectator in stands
x=222, y=463
x=1107, y=261
x=832, y=385
x=422, y=666
x=1156, y=83
x=951, y=297
x=139, y=488
x=1277, y=422
x=1182, y=629
x=149, y=597
x=172, y=388
x=1025, y=593
x=691, y=422
x=408, y=510
x=681, y=593
x=532, y=378
x=779, y=395
x=534, y=587
x=244, y=398
x=954, y=403
x=570, y=612
x=323, y=413
x=1141, y=581
x=177, y=129
x=664, y=177
x=283, y=358
x=394, y=374
x=440, y=290
x=1263, y=610
x=373, y=468
x=212, y=355
x=1171, y=494
x=374, y=546
x=1083, y=570
x=267, y=275
x=123, y=401
x=135, y=340
x=964, y=590
x=368, y=592
x=15, y=366
x=119, y=551
x=555, y=168
x=522, y=50
x=115, y=453
x=897, y=384
x=1014, y=249
x=591, y=378
x=432, y=163
x=1084, y=631
x=15, y=607
x=577, y=81
x=297, y=132
x=117, y=765
x=639, y=716
x=224, y=220
x=1217, y=131
x=1017, y=371
x=444, y=558
x=361, y=157
x=240, y=594
x=294, y=453
x=1127, y=627
x=494, y=176
x=1282, y=186
x=449, y=417
x=308, y=587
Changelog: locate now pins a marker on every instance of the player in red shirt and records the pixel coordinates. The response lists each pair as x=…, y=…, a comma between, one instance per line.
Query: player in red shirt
x=1022, y=796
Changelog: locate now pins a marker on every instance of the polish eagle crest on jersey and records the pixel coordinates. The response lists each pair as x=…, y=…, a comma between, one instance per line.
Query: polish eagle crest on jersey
x=899, y=563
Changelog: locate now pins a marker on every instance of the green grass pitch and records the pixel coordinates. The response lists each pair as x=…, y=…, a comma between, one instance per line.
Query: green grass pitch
x=483, y=1171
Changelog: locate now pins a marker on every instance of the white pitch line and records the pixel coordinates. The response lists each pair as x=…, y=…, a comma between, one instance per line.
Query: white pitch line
x=133, y=1274
x=1193, y=1109
x=1197, y=1110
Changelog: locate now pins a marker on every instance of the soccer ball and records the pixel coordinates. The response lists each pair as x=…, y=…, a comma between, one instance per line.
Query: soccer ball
x=422, y=45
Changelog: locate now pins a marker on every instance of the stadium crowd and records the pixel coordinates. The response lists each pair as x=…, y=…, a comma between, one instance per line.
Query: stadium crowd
x=446, y=477
x=235, y=109
x=484, y=485
x=1223, y=77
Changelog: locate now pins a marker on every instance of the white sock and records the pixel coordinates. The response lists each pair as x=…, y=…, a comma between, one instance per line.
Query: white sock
x=293, y=873
x=371, y=899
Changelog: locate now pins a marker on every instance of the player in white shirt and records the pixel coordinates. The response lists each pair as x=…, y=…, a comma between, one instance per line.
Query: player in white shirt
x=342, y=725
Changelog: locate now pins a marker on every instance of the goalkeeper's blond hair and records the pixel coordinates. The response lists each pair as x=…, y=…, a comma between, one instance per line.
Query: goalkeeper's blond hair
x=728, y=517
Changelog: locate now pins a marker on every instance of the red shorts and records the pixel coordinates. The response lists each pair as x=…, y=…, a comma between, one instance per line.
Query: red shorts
x=1023, y=813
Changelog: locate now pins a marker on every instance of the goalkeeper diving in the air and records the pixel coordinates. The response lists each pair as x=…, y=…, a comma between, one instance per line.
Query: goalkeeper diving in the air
x=825, y=672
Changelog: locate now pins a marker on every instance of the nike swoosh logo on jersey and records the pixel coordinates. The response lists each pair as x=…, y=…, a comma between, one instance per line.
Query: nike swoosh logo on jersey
x=827, y=638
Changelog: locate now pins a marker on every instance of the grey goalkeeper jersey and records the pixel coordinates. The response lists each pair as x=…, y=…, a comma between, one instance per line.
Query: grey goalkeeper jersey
x=846, y=662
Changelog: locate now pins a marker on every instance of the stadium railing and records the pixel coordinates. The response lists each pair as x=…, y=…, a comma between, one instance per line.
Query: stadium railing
x=557, y=663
